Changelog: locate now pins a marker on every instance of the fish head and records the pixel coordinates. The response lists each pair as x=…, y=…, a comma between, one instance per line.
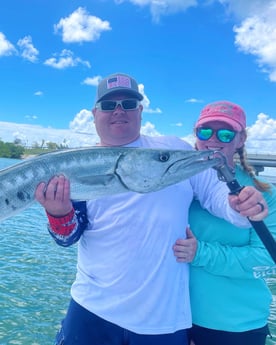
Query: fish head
x=148, y=170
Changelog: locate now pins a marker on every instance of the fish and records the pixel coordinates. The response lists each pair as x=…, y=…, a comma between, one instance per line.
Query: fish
x=96, y=172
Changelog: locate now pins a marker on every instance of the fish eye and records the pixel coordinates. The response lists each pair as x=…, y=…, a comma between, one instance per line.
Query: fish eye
x=164, y=156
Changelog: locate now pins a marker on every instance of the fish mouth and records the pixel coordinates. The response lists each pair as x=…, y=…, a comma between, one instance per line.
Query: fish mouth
x=200, y=161
x=178, y=167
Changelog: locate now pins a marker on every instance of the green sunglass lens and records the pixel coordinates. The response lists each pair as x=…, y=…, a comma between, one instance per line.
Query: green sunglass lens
x=225, y=135
x=204, y=133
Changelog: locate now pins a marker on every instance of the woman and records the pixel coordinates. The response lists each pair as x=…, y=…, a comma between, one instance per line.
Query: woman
x=230, y=300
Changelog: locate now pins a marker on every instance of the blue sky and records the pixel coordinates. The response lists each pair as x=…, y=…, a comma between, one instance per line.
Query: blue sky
x=183, y=53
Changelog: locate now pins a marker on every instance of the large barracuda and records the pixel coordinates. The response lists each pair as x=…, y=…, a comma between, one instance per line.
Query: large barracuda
x=99, y=171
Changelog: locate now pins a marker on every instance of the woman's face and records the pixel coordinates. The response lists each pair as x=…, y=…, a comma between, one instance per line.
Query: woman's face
x=214, y=143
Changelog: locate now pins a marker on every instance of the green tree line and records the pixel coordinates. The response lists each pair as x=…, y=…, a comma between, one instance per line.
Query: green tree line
x=11, y=150
x=17, y=150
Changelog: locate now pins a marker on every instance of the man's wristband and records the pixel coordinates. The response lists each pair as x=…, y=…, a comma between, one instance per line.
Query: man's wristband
x=63, y=225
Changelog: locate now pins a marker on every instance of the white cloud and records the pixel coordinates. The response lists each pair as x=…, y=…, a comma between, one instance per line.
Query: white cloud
x=152, y=111
x=94, y=81
x=31, y=117
x=262, y=135
x=190, y=138
x=178, y=124
x=149, y=129
x=146, y=102
x=256, y=33
x=65, y=59
x=244, y=9
x=38, y=93
x=30, y=134
x=83, y=122
x=6, y=48
x=257, y=36
x=28, y=51
x=194, y=100
x=80, y=26
x=160, y=8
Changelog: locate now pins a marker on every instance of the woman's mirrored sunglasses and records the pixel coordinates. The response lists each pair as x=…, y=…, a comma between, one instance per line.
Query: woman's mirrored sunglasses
x=223, y=135
x=126, y=104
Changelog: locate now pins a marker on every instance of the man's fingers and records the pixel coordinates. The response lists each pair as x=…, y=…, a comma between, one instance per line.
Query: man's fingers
x=39, y=193
x=61, y=188
x=51, y=189
x=66, y=190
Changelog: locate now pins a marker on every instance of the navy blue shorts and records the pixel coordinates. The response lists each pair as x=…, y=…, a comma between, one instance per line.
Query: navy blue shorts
x=81, y=327
x=206, y=336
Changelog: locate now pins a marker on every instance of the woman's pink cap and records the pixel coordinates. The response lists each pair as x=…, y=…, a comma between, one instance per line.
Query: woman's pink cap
x=224, y=111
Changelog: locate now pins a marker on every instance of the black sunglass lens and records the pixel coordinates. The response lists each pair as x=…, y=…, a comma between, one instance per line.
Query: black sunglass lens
x=204, y=133
x=108, y=105
x=225, y=135
x=129, y=104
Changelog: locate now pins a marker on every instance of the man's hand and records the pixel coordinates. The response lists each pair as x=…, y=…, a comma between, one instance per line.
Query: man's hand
x=55, y=196
x=249, y=203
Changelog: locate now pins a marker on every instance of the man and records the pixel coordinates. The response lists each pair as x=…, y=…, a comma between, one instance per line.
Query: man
x=128, y=288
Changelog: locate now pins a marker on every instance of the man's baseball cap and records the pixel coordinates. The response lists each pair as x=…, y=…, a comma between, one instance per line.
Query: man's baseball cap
x=224, y=111
x=116, y=83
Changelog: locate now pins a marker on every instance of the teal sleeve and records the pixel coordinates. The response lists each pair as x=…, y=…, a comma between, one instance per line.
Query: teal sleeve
x=231, y=260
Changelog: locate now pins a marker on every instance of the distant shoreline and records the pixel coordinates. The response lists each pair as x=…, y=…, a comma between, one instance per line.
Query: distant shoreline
x=26, y=156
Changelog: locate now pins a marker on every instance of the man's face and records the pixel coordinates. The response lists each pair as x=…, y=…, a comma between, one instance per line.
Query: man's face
x=119, y=126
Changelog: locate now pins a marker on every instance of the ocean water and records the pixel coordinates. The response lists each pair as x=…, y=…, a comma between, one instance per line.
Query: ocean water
x=36, y=276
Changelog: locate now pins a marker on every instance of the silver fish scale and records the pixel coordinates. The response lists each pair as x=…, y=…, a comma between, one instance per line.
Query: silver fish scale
x=98, y=171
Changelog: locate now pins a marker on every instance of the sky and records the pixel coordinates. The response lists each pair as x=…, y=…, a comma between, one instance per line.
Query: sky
x=183, y=54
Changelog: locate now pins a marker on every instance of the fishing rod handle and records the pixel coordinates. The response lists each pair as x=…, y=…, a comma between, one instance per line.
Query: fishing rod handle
x=266, y=237
x=259, y=226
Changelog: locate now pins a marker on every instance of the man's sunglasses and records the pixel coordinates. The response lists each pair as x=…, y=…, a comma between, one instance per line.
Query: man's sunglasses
x=223, y=135
x=126, y=104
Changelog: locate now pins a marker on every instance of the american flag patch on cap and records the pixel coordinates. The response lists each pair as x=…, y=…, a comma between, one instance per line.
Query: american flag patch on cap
x=118, y=81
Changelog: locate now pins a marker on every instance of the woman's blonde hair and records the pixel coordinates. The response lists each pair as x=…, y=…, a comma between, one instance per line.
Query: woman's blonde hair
x=242, y=156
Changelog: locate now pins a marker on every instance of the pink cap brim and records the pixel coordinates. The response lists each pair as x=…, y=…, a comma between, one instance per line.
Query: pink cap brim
x=234, y=124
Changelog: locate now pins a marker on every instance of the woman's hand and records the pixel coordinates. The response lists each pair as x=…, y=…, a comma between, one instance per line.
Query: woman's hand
x=185, y=249
x=249, y=203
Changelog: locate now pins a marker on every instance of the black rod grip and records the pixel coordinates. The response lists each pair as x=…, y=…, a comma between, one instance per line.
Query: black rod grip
x=259, y=226
x=265, y=236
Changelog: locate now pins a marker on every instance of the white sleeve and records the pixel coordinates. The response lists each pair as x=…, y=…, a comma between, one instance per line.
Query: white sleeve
x=213, y=196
